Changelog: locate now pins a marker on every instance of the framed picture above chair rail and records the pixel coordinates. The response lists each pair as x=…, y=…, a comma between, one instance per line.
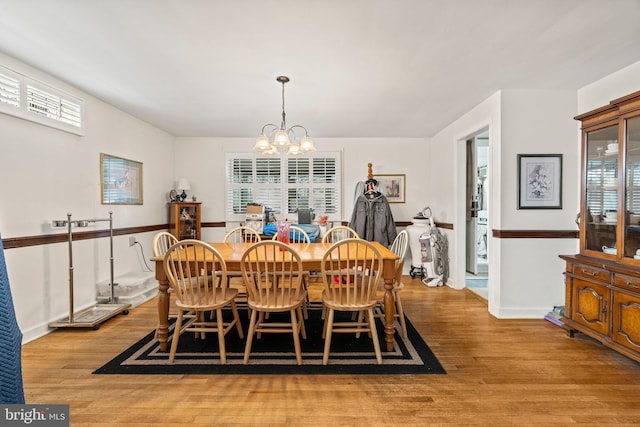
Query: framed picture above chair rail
x=539, y=181
x=392, y=186
x=120, y=181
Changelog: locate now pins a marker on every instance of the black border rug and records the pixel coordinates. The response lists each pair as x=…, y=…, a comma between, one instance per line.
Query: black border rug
x=274, y=353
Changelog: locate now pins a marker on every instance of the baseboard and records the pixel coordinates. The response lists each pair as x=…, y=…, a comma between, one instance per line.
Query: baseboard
x=43, y=328
x=520, y=313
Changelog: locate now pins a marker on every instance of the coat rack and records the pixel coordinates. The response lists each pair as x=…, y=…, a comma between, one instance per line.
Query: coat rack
x=92, y=316
x=371, y=184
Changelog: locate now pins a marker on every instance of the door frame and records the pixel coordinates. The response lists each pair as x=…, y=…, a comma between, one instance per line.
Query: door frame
x=461, y=232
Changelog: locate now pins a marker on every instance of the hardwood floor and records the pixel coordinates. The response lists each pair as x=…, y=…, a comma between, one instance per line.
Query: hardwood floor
x=499, y=372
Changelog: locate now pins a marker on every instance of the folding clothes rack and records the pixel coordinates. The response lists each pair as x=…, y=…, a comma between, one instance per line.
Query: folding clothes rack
x=90, y=317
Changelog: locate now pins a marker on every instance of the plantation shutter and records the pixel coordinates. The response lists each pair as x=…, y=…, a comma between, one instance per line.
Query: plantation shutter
x=284, y=184
x=633, y=186
x=602, y=192
x=239, y=184
x=268, y=188
x=326, y=197
x=29, y=99
x=54, y=107
x=9, y=88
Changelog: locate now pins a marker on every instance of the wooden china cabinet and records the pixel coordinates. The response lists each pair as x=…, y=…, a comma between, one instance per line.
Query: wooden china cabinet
x=184, y=220
x=603, y=280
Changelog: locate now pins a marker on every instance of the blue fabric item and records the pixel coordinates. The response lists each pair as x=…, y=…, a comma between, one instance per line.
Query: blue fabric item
x=11, y=390
x=311, y=229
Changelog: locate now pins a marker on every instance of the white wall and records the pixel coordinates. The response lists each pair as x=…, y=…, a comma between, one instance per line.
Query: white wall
x=536, y=122
x=201, y=160
x=47, y=173
x=525, y=275
x=447, y=187
x=616, y=85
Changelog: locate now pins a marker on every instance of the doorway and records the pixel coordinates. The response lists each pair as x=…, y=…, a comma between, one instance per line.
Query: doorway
x=477, y=215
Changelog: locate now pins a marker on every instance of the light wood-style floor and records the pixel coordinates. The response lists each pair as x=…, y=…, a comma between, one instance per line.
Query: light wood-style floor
x=499, y=372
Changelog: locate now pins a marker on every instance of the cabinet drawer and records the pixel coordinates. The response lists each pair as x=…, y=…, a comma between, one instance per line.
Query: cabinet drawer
x=628, y=282
x=591, y=273
x=626, y=320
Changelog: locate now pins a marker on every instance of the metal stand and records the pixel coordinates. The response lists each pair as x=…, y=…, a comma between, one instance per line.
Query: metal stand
x=92, y=316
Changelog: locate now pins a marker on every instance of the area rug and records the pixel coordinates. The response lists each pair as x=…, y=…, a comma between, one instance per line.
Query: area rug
x=274, y=354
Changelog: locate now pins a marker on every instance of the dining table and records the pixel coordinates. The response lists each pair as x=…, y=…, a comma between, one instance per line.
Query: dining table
x=311, y=255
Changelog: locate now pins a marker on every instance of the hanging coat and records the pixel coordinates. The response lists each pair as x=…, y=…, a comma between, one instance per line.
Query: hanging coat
x=372, y=219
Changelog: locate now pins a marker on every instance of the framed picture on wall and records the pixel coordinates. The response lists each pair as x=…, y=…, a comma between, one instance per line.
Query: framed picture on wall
x=392, y=187
x=121, y=181
x=539, y=181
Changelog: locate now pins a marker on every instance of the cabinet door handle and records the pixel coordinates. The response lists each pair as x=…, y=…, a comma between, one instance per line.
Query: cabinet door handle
x=592, y=273
x=629, y=283
x=604, y=308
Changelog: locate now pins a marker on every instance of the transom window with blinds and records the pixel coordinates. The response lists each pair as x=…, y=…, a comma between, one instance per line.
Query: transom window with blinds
x=284, y=184
x=38, y=102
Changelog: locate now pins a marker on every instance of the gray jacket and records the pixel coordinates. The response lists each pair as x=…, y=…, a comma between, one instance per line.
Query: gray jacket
x=372, y=220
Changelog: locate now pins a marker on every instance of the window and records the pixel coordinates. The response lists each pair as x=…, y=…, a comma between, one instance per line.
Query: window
x=38, y=102
x=284, y=184
x=54, y=107
x=9, y=88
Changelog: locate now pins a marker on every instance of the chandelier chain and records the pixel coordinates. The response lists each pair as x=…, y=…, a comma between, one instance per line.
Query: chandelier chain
x=284, y=121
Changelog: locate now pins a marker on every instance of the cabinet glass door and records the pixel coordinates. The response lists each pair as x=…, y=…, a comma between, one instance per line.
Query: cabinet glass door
x=632, y=189
x=187, y=227
x=601, y=188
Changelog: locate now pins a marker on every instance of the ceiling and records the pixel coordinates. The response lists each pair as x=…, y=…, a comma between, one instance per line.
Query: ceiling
x=358, y=68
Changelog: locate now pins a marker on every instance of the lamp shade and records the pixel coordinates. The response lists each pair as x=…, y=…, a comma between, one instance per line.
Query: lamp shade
x=294, y=150
x=262, y=143
x=281, y=139
x=183, y=184
x=271, y=151
x=306, y=145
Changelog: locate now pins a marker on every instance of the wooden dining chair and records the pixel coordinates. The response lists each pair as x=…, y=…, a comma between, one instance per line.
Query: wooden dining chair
x=272, y=273
x=296, y=235
x=337, y=233
x=299, y=236
x=191, y=267
x=398, y=247
x=334, y=235
x=162, y=241
x=355, y=293
x=240, y=234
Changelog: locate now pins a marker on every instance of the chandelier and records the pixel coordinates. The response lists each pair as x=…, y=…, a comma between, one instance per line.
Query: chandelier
x=280, y=137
